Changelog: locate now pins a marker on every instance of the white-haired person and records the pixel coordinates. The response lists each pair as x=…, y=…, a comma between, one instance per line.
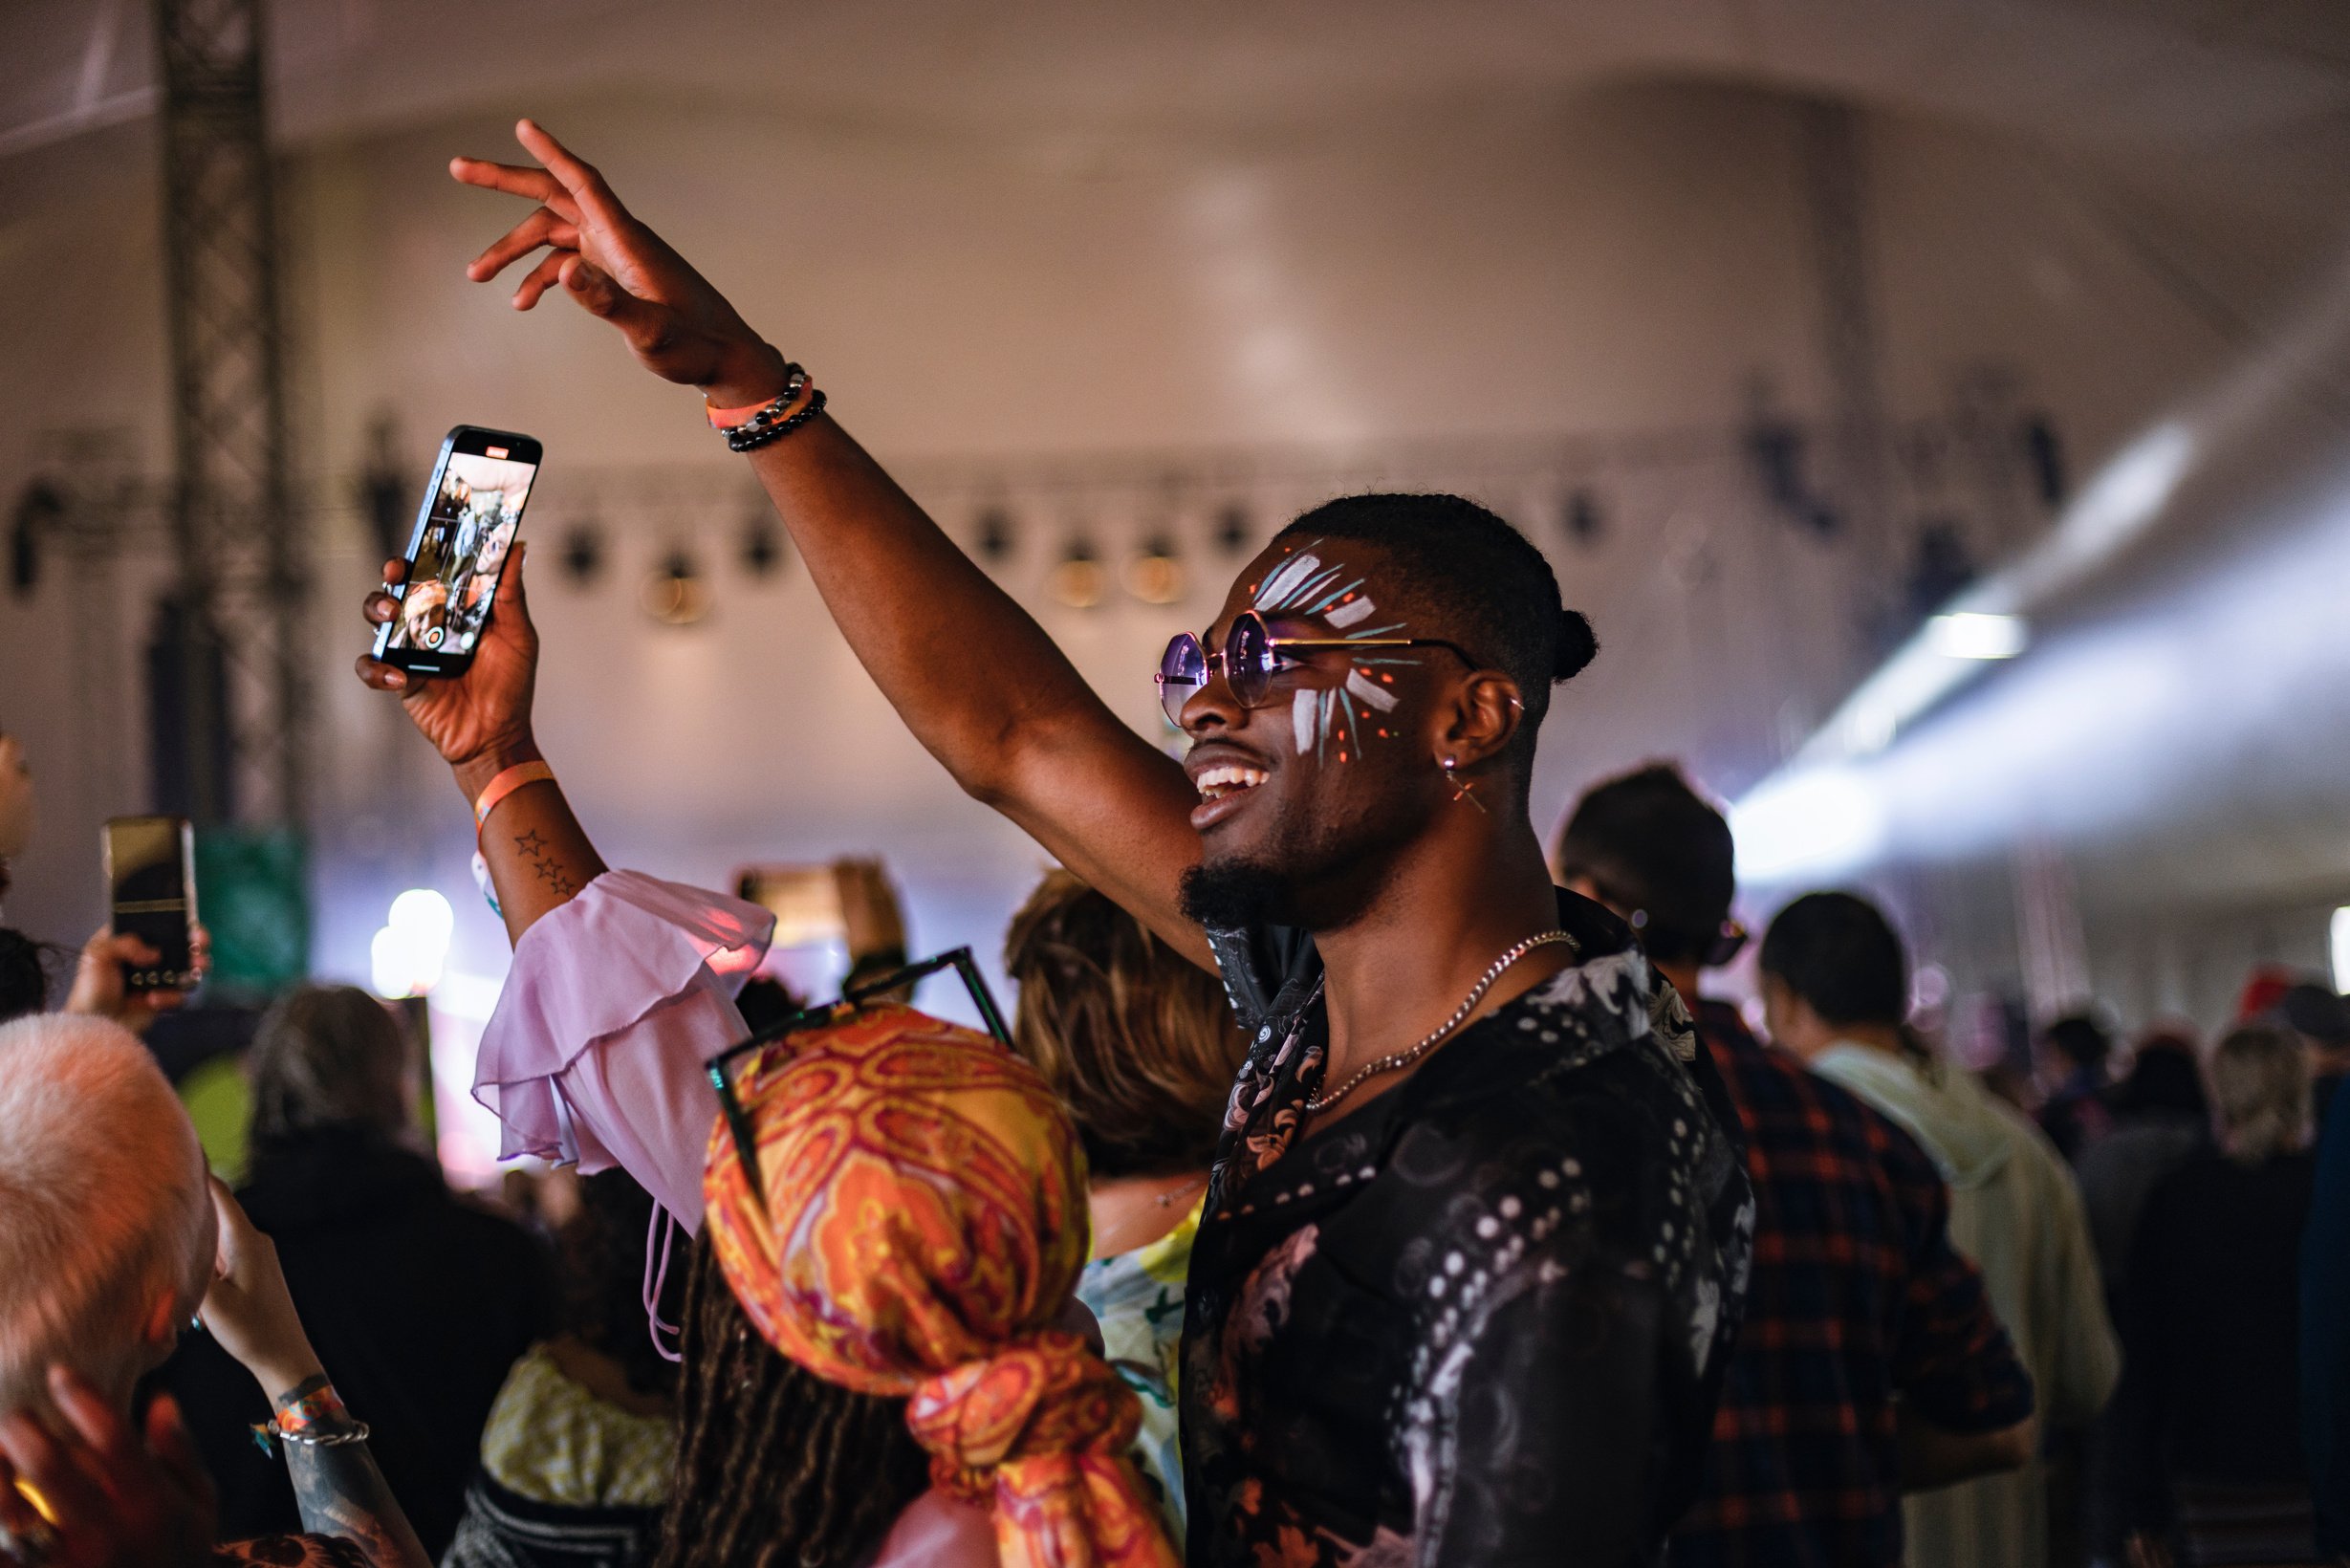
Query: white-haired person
x=113, y=1236
x=2208, y=1413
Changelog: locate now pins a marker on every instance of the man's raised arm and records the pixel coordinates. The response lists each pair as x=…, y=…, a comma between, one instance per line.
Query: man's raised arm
x=972, y=673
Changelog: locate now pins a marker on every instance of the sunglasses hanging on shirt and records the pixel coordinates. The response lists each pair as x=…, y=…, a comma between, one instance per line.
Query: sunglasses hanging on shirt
x=856, y=995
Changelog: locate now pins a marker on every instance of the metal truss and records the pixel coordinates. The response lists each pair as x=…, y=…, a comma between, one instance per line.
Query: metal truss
x=244, y=579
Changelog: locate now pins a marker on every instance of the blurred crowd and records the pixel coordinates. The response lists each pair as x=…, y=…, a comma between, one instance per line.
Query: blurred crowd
x=1358, y=1181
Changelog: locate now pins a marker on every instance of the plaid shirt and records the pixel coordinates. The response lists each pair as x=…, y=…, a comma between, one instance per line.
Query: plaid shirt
x=1857, y=1297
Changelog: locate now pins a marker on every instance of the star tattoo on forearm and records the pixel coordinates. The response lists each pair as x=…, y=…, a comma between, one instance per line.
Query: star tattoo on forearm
x=545, y=865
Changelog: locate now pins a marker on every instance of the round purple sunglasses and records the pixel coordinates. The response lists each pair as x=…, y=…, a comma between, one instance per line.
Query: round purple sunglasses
x=1252, y=655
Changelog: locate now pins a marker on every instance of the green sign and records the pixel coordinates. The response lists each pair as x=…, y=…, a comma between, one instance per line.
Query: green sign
x=253, y=892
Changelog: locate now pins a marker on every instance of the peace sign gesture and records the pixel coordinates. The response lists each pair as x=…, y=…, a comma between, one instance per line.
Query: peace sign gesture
x=614, y=266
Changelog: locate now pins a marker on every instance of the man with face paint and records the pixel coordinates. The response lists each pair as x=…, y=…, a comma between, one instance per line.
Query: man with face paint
x=1475, y=1240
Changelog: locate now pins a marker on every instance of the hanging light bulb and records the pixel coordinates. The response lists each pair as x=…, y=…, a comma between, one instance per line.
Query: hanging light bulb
x=1581, y=518
x=994, y=533
x=1077, y=579
x=583, y=555
x=1232, y=531
x=762, y=542
x=675, y=593
x=1155, y=576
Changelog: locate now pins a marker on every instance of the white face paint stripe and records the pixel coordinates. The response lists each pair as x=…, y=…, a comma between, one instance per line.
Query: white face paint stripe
x=1369, y=692
x=1278, y=587
x=1304, y=718
x=1351, y=614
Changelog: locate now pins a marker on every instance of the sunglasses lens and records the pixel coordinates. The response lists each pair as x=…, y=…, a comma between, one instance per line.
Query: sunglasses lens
x=1248, y=660
x=1182, y=669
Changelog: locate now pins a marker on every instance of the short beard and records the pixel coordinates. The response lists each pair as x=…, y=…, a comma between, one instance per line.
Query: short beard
x=1324, y=882
x=1235, y=896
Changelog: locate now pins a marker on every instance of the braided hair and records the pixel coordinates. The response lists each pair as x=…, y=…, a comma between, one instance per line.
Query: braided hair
x=775, y=1466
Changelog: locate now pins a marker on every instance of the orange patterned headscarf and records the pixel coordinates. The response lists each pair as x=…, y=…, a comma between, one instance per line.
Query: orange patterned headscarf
x=924, y=1218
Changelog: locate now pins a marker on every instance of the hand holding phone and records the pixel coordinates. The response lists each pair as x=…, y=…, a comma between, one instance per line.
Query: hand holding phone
x=151, y=890
x=465, y=532
x=101, y=988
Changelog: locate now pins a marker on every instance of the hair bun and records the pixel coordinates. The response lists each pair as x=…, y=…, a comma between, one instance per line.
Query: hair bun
x=1578, y=645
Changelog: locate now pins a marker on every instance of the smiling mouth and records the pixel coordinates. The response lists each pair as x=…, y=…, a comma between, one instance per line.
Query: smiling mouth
x=1221, y=783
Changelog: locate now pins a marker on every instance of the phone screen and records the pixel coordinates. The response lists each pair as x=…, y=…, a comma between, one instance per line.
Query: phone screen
x=148, y=885
x=462, y=543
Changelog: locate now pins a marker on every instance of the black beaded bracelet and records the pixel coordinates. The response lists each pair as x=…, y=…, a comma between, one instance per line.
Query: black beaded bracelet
x=749, y=438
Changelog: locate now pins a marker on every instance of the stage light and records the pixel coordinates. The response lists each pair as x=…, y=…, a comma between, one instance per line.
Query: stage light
x=1077, y=581
x=2339, y=940
x=407, y=954
x=1974, y=634
x=1814, y=823
x=583, y=555
x=1155, y=577
x=994, y=533
x=1232, y=531
x=675, y=593
x=762, y=542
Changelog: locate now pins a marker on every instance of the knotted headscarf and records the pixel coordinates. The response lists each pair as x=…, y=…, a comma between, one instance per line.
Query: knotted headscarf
x=924, y=1218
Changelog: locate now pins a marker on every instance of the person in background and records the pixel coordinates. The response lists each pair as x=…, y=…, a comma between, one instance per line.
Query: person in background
x=898, y=1205
x=2073, y=1054
x=1870, y=1360
x=2159, y=1117
x=2325, y=1332
x=2210, y=1400
x=111, y=1236
x=418, y=1301
x=769, y=1453
x=576, y=1458
x=1836, y=992
x=2321, y=1019
x=1139, y=1045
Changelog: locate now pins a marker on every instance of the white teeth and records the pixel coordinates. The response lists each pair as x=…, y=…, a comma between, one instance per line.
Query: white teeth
x=1218, y=782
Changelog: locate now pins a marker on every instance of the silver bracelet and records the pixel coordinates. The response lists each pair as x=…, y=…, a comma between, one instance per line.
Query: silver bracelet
x=335, y=1437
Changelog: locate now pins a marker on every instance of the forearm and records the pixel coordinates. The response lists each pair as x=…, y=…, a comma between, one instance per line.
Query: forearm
x=981, y=686
x=964, y=665
x=341, y=1492
x=1932, y=1456
x=539, y=856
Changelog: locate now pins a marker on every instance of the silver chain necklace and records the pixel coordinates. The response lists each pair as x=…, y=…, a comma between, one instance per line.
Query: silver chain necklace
x=1468, y=1004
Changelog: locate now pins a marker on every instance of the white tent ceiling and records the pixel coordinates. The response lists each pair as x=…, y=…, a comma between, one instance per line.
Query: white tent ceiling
x=2152, y=74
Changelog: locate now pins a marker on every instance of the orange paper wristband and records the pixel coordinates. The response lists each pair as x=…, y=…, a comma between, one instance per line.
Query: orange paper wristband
x=505, y=784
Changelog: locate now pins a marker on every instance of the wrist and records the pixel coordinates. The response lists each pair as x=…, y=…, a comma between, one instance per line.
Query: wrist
x=474, y=773
x=288, y=1377
x=753, y=373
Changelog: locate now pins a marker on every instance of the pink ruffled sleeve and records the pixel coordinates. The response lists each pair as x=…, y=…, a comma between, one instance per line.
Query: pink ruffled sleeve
x=616, y=999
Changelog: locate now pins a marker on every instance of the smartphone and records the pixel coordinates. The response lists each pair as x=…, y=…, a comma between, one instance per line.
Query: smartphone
x=464, y=531
x=151, y=889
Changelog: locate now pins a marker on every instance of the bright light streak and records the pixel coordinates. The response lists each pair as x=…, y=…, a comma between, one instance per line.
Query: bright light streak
x=1815, y=822
x=1975, y=634
x=406, y=955
x=2339, y=934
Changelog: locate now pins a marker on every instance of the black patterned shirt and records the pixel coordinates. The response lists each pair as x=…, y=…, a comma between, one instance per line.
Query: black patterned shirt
x=1483, y=1319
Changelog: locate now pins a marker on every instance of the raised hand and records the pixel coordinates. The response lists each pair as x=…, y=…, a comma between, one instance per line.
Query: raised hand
x=482, y=716
x=614, y=266
x=101, y=991
x=248, y=1310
